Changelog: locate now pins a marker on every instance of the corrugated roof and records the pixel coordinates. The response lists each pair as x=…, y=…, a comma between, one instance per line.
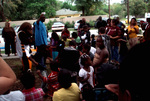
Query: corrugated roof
x=66, y=12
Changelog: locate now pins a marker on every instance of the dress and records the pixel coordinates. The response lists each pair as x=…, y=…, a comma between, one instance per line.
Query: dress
x=70, y=94
x=83, y=73
x=33, y=94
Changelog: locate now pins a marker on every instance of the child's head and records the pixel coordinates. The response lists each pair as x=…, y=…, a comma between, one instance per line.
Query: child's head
x=93, y=36
x=85, y=60
x=54, y=66
x=74, y=35
x=85, y=28
x=100, y=42
x=86, y=48
x=101, y=30
x=28, y=80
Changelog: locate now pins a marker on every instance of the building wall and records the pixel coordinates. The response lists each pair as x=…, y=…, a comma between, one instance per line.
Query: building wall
x=67, y=16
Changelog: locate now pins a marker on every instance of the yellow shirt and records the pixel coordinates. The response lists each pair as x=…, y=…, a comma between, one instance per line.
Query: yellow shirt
x=70, y=94
x=133, y=32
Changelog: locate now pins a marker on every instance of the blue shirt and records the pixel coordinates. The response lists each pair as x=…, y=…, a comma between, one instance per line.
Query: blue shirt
x=40, y=34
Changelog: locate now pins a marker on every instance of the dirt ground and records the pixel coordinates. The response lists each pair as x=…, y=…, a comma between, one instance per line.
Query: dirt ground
x=16, y=65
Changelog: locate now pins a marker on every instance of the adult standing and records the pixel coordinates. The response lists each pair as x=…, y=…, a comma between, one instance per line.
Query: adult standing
x=133, y=30
x=100, y=23
x=40, y=42
x=114, y=33
x=9, y=34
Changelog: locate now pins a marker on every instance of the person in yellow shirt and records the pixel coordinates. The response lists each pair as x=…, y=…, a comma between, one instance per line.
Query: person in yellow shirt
x=133, y=30
x=68, y=91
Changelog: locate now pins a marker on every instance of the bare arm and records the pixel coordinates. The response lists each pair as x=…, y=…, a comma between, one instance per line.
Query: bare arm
x=7, y=77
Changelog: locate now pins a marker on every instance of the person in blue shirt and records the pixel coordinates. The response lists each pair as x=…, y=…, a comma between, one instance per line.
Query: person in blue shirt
x=40, y=42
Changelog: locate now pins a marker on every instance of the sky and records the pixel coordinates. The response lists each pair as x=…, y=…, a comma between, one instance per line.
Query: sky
x=111, y=1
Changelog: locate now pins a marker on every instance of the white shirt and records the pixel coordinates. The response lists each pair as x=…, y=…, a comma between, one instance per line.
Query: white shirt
x=83, y=73
x=13, y=96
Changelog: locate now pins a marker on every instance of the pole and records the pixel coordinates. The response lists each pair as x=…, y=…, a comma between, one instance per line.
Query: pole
x=128, y=10
x=109, y=7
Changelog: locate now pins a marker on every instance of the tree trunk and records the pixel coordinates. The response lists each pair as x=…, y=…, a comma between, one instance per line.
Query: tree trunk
x=83, y=11
x=2, y=12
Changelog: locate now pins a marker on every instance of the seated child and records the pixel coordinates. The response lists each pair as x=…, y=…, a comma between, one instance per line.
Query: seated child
x=52, y=81
x=30, y=92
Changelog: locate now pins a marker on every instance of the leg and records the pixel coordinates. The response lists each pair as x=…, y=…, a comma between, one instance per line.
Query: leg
x=7, y=48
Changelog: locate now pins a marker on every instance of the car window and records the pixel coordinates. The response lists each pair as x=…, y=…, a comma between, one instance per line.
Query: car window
x=57, y=23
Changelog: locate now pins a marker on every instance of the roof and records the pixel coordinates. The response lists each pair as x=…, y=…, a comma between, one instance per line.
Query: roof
x=66, y=12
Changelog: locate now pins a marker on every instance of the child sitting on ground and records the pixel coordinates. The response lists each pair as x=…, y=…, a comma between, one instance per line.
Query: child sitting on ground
x=52, y=81
x=30, y=92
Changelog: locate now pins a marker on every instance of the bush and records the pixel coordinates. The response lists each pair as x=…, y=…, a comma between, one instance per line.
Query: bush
x=69, y=25
x=49, y=25
x=91, y=23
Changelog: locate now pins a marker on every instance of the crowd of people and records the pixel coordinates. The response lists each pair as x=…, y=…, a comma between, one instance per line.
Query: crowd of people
x=83, y=66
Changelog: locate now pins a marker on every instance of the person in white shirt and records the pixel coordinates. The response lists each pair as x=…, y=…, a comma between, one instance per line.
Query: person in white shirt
x=13, y=96
x=86, y=73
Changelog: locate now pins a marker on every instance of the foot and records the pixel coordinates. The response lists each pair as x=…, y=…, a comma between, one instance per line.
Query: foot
x=8, y=55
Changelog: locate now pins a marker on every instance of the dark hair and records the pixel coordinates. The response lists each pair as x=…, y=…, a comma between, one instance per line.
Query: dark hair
x=115, y=21
x=28, y=80
x=54, y=66
x=84, y=58
x=87, y=46
x=64, y=78
x=72, y=43
x=93, y=36
x=55, y=36
x=74, y=35
x=134, y=72
x=25, y=26
x=101, y=30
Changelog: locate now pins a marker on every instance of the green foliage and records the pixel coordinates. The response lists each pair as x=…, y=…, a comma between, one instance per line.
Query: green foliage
x=137, y=7
x=91, y=23
x=69, y=25
x=49, y=25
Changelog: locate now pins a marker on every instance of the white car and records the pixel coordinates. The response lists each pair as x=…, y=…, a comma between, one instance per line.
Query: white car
x=76, y=25
x=2, y=43
x=58, y=26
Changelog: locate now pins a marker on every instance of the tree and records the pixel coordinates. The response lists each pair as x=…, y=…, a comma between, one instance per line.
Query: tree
x=7, y=7
x=137, y=7
x=87, y=6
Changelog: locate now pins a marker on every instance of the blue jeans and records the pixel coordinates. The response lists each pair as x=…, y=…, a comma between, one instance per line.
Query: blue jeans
x=114, y=53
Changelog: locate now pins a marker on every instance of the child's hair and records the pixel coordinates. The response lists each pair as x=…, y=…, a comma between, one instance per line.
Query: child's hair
x=28, y=80
x=64, y=78
x=72, y=43
x=54, y=66
x=74, y=35
x=87, y=47
x=102, y=30
x=93, y=36
x=84, y=58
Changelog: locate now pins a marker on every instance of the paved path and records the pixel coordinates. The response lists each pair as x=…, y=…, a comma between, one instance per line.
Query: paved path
x=4, y=56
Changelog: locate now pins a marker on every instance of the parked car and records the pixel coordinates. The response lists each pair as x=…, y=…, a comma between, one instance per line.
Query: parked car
x=76, y=25
x=58, y=26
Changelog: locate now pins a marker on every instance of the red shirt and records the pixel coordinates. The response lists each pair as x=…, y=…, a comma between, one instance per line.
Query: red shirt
x=66, y=33
x=33, y=94
x=114, y=31
x=52, y=81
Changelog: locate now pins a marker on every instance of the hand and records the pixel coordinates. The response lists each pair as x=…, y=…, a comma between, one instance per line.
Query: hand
x=88, y=76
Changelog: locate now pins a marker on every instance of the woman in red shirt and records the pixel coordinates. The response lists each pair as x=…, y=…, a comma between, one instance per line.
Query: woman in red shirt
x=115, y=33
